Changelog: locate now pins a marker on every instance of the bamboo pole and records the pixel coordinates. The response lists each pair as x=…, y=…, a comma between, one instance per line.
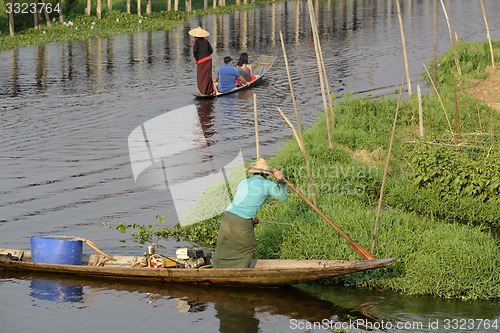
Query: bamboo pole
x=439, y=98
x=491, y=123
x=256, y=121
x=294, y=131
x=294, y=103
x=36, y=16
x=403, y=43
x=98, y=9
x=46, y=14
x=420, y=112
x=88, y=9
x=457, y=116
x=11, y=19
x=452, y=39
x=300, y=138
x=323, y=68
x=479, y=116
x=321, y=81
x=361, y=251
x=488, y=35
x=302, y=148
x=386, y=167
x=435, y=41
x=61, y=14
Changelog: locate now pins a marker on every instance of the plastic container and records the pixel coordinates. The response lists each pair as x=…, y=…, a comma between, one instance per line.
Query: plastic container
x=56, y=249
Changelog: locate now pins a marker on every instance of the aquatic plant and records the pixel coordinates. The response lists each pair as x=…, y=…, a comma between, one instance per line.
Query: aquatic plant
x=114, y=22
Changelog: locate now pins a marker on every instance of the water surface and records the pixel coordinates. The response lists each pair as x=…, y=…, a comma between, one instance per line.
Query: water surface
x=67, y=110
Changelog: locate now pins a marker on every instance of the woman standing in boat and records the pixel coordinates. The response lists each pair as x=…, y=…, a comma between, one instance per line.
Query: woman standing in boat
x=202, y=52
x=236, y=239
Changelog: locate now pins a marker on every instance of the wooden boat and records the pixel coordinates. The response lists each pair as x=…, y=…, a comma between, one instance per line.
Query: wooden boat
x=259, y=67
x=264, y=273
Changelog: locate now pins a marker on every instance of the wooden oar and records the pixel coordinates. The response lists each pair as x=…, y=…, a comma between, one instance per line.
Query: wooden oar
x=362, y=252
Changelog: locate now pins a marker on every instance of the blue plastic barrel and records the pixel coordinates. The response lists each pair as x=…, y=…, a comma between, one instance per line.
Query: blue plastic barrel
x=56, y=249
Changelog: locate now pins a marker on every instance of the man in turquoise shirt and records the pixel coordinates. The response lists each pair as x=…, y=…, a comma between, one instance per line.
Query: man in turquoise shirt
x=236, y=239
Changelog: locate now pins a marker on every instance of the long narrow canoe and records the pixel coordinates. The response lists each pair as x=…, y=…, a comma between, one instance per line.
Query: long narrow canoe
x=259, y=68
x=264, y=273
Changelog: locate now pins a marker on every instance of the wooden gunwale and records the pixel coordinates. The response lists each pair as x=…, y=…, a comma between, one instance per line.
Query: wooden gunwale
x=264, y=273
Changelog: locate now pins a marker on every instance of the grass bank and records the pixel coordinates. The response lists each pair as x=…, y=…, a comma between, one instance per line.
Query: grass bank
x=441, y=207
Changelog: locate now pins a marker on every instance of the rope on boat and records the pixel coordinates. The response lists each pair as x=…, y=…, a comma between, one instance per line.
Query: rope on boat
x=137, y=263
x=92, y=245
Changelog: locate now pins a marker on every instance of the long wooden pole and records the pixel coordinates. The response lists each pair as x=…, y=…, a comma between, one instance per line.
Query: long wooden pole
x=403, y=42
x=302, y=148
x=420, y=112
x=488, y=35
x=452, y=39
x=361, y=251
x=256, y=121
x=321, y=81
x=11, y=19
x=322, y=62
x=291, y=87
x=439, y=98
x=381, y=196
x=435, y=41
x=299, y=137
x=295, y=134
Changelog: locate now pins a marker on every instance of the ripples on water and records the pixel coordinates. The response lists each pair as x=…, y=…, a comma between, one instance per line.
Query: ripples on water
x=67, y=109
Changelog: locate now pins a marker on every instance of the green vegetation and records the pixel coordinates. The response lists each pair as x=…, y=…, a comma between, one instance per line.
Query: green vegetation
x=441, y=204
x=84, y=27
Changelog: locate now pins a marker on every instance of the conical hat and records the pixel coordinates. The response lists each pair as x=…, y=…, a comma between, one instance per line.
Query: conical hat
x=199, y=32
x=261, y=166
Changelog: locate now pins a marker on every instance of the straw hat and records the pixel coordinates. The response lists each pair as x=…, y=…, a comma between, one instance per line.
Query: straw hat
x=261, y=166
x=199, y=32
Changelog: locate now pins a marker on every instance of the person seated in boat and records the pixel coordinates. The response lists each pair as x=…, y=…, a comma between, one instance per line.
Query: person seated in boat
x=227, y=75
x=245, y=68
x=236, y=239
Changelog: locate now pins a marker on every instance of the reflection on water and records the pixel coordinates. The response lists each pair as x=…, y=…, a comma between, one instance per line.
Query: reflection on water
x=354, y=34
x=236, y=309
x=180, y=307
x=56, y=290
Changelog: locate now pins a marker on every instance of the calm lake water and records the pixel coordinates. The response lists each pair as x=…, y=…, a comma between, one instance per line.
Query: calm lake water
x=67, y=110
